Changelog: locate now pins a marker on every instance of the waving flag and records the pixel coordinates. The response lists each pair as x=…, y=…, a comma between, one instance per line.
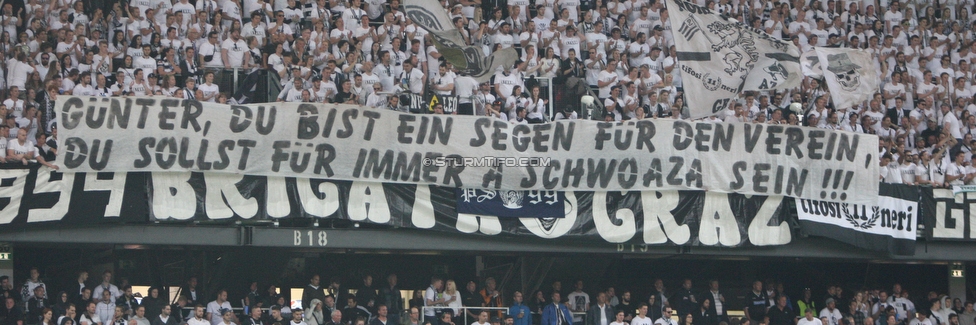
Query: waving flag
x=721, y=57
x=850, y=75
x=469, y=60
x=810, y=64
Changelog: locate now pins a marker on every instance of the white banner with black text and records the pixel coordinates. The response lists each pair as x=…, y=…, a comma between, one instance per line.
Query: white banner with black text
x=890, y=224
x=345, y=142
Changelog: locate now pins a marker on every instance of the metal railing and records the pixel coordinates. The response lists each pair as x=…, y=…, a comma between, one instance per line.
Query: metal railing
x=418, y=103
x=274, y=85
x=597, y=105
x=230, y=80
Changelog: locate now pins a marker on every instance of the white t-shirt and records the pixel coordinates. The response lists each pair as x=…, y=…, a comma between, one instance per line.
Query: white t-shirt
x=209, y=90
x=138, y=89
x=533, y=38
x=102, y=287
x=535, y=110
x=892, y=88
x=465, y=87
x=85, y=320
x=832, y=316
x=186, y=8
x=412, y=80
x=664, y=321
x=822, y=36
x=921, y=322
x=429, y=294
x=893, y=17
x=902, y=305
x=17, y=73
x=804, y=321
x=384, y=75
x=235, y=51
x=208, y=49
x=954, y=125
x=877, y=117
x=19, y=149
x=606, y=76
x=777, y=27
x=893, y=177
x=83, y=90
x=956, y=171
x=908, y=173
x=599, y=40
x=442, y=81
x=922, y=172
x=507, y=84
x=231, y=9
x=578, y=301
x=568, y=43
x=259, y=32
x=214, y=309
x=641, y=50
x=937, y=172
x=369, y=80
x=16, y=107
x=506, y=40
x=641, y=321
x=293, y=95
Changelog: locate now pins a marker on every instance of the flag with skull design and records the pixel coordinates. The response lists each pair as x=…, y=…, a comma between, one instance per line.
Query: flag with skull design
x=850, y=75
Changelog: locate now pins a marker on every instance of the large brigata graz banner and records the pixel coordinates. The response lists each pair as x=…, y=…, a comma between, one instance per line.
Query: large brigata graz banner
x=40, y=196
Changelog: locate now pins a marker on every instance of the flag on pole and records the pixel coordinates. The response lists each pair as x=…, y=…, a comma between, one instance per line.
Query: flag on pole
x=721, y=57
x=850, y=75
x=810, y=64
x=469, y=60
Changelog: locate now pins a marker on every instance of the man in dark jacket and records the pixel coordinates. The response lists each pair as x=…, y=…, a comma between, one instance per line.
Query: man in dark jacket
x=312, y=291
x=366, y=295
x=255, y=319
x=353, y=311
x=165, y=317
x=684, y=300
x=36, y=305
x=390, y=296
x=10, y=314
x=600, y=313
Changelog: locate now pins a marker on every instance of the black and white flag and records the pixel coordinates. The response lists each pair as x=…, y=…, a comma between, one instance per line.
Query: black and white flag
x=721, y=57
x=810, y=64
x=888, y=225
x=850, y=75
x=470, y=60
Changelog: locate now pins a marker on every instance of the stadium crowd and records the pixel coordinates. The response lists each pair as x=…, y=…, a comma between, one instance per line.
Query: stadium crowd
x=444, y=303
x=363, y=52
